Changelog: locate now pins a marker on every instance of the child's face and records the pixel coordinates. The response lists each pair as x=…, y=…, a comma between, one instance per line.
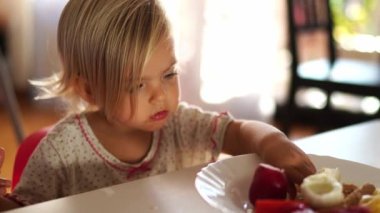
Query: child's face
x=157, y=96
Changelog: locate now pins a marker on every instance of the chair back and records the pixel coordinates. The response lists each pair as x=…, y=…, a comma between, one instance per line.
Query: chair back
x=24, y=152
x=319, y=67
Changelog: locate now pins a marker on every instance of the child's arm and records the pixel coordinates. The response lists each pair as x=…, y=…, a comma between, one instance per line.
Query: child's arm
x=270, y=144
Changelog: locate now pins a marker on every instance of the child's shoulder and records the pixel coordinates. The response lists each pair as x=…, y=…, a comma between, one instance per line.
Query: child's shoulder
x=187, y=111
x=67, y=129
x=185, y=107
x=192, y=113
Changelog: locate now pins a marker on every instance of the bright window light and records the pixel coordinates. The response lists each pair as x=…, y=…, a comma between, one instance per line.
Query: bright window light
x=353, y=103
x=360, y=42
x=370, y=105
x=346, y=102
x=237, y=59
x=311, y=97
x=267, y=106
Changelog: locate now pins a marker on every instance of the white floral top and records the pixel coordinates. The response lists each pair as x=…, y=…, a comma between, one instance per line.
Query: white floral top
x=71, y=160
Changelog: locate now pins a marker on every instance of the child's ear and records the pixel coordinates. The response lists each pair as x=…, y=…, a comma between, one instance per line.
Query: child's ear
x=83, y=90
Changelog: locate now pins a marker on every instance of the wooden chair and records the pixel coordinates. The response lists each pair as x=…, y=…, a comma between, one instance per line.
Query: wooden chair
x=330, y=73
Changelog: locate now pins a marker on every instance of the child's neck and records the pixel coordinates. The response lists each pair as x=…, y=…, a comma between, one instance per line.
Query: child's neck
x=127, y=146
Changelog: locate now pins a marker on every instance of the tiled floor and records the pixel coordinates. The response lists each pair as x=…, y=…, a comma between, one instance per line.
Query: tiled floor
x=35, y=116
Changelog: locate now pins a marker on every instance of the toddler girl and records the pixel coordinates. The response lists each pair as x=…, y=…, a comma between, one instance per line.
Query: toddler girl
x=120, y=77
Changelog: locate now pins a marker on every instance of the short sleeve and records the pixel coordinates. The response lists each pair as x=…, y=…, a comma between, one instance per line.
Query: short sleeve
x=201, y=133
x=42, y=177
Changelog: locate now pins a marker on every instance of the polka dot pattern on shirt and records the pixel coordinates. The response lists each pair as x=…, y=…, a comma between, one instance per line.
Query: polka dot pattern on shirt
x=71, y=160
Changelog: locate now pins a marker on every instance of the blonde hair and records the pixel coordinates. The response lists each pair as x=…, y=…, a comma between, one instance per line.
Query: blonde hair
x=105, y=43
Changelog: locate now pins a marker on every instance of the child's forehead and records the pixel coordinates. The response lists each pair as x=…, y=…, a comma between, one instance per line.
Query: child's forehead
x=162, y=59
x=152, y=72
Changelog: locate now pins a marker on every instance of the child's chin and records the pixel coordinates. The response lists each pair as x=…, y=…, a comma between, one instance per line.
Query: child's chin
x=154, y=127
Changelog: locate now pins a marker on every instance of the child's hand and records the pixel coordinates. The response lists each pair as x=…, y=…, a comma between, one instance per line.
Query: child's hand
x=273, y=147
x=288, y=156
x=4, y=183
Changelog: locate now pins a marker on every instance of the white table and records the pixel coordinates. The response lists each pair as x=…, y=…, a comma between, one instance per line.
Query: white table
x=170, y=192
x=359, y=143
x=175, y=192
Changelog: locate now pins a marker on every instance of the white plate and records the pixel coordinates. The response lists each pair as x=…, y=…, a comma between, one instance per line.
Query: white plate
x=225, y=183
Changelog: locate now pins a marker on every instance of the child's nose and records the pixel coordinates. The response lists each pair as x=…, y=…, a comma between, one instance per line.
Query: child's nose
x=158, y=93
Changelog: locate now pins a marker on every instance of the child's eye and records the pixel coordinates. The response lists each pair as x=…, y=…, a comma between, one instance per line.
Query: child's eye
x=140, y=86
x=137, y=88
x=171, y=75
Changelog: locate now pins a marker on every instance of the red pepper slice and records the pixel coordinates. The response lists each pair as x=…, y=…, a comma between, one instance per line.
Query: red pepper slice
x=280, y=206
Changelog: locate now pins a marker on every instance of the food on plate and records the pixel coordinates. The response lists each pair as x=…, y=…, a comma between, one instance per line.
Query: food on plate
x=372, y=202
x=283, y=206
x=332, y=172
x=350, y=209
x=355, y=197
x=323, y=190
x=268, y=183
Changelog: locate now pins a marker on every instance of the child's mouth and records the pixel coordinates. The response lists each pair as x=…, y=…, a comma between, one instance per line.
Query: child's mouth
x=160, y=115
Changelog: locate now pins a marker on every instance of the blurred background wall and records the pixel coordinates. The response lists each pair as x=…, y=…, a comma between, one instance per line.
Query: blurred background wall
x=231, y=52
